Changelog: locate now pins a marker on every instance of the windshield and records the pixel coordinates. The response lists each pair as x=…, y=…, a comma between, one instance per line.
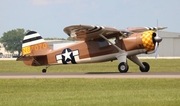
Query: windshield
x=126, y=33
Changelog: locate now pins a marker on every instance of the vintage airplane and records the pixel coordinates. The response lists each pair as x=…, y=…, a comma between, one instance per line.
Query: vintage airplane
x=96, y=44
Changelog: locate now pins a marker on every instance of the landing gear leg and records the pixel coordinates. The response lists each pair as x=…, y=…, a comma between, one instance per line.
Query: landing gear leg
x=123, y=66
x=144, y=66
x=45, y=69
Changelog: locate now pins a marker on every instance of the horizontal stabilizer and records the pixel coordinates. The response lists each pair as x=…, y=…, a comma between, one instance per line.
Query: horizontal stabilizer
x=24, y=58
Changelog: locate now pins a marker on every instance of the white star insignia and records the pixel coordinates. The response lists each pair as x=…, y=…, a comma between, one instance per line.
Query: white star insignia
x=67, y=55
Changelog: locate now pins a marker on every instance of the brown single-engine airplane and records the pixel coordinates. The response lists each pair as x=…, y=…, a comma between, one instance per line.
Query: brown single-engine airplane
x=97, y=44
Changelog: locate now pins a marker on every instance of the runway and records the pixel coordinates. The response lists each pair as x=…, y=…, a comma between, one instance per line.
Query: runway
x=91, y=75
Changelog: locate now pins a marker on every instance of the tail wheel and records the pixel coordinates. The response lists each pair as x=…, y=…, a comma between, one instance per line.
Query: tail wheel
x=123, y=67
x=43, y=70
x=147, y=67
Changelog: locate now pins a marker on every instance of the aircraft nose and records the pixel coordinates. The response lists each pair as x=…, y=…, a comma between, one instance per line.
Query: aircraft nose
x=158, y=38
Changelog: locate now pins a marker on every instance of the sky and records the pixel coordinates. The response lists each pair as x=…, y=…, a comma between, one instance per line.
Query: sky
x=50, y=17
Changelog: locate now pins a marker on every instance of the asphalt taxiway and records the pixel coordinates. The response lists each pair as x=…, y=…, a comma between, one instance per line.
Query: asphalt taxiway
x=91, y=75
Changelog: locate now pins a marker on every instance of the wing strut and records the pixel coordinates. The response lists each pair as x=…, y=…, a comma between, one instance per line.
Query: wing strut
x=122, y=55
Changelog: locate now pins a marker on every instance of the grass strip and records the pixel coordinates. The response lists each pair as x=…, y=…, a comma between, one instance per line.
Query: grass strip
x=88, y=92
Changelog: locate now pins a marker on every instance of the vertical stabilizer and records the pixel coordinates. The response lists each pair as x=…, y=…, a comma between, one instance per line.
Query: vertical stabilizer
x=34, y=50
x=33, y=45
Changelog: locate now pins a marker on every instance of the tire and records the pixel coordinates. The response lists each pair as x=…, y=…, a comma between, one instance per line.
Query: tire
x=43, y=70
x=123, y=67
x=147, y=67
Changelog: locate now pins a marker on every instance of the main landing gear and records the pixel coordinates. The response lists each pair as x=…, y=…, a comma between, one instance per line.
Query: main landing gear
x=147, y=67
x=123, y=67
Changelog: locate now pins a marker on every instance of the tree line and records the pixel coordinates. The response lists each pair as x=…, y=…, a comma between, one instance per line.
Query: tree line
x=12, y=40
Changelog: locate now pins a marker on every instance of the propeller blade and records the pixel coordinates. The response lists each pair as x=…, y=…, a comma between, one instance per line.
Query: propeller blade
x=158, y=39
x=156, y=50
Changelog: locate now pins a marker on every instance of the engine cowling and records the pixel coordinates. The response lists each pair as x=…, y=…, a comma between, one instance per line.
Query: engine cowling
x=148, y=40
x=144, y=40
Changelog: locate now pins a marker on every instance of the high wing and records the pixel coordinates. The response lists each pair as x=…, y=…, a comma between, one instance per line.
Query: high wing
x=88, y=32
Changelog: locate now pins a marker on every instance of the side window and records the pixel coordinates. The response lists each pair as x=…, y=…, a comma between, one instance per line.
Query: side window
x=103, y=43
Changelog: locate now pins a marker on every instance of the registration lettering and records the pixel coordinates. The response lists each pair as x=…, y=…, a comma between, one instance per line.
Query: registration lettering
x=39, y=46
x=26, y=50
x=29, y=49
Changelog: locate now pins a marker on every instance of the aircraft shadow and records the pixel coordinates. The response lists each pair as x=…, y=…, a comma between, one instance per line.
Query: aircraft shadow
x=104, y=73
x=136, y=73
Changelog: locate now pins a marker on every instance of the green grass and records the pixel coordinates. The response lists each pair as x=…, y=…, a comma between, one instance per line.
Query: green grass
x=89, y=92
x=159, y=65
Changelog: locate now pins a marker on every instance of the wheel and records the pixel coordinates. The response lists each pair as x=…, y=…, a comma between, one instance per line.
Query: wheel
x=43, y=70
x=123, y=67
x=146, y=69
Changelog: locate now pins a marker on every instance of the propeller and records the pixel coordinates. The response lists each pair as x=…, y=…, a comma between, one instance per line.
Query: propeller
x=157, y=40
